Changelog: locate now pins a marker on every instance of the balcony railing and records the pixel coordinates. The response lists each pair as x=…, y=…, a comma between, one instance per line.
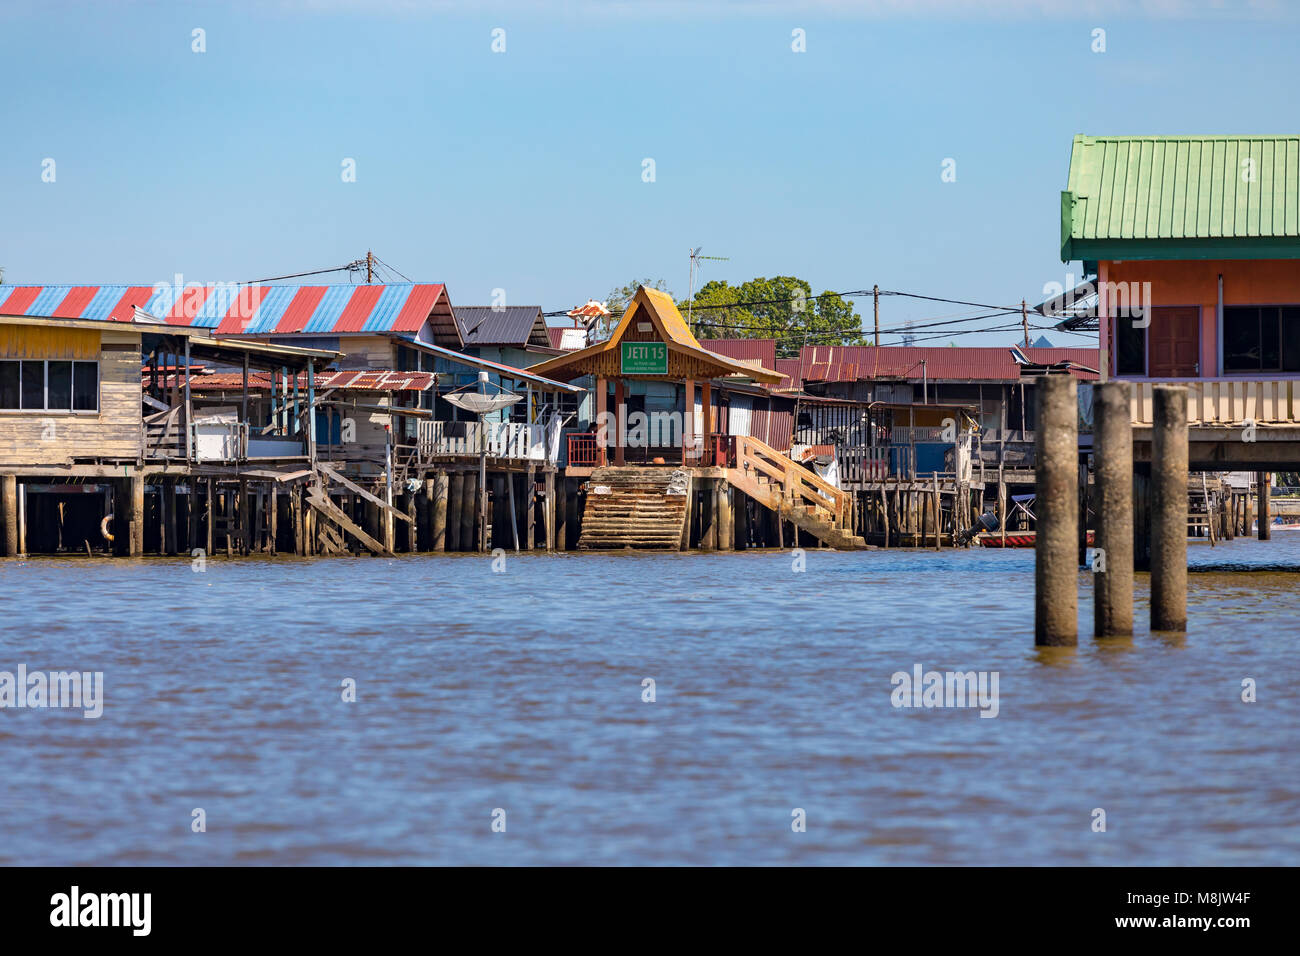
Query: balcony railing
x=514, y=440
x=1226, y=401
x=583, y=451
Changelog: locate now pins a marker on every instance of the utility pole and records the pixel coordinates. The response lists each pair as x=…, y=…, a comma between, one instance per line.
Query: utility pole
x=875, y=295
x=370, y=267
x=1024, y=320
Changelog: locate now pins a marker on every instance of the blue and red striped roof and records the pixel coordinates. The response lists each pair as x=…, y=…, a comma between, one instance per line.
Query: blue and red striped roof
x=236, y=309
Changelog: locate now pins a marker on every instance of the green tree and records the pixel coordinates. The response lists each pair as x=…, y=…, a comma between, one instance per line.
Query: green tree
x=782, y=308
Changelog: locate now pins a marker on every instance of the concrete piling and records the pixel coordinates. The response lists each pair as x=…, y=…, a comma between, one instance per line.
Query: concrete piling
x=1113, y=498
x=1056, y=598
x=1169, y=509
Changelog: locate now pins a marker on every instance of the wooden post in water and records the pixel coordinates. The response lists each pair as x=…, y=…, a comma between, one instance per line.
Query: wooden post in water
x=937, y=508
x=561, y=513
x=9, y=492
x=468, y=511
x=412, y=522
x=1169, y=509
x=1264, y=492
x=424, y=516
x=1113, y=491
x=1056, y=598
x=438, y=513
x=137, y=515
x=740, y=509
x=884, y=510
x=245, y=518
x=726, y=517
x=273, y=516
x=707, y=537
x=455, y=496
x=208, y=514
x=530, y=508
x=548, y=509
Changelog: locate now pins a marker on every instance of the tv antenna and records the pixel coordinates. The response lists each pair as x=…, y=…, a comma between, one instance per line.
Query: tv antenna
x=696, y=259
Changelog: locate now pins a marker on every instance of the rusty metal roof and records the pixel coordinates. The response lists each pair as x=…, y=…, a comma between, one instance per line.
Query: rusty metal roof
x=762, y=351
x=366, y=380
x=852, y=363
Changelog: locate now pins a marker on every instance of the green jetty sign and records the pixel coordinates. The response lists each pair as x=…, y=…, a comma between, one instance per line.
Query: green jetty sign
x=644, y=358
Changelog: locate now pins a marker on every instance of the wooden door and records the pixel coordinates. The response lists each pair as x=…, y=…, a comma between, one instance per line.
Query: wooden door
x=1174, y=342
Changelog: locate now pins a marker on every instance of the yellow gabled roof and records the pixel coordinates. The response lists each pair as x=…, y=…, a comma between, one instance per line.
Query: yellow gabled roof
x=662, y=311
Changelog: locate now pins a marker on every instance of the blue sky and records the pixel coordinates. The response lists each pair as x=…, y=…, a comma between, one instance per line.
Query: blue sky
x=522, y=170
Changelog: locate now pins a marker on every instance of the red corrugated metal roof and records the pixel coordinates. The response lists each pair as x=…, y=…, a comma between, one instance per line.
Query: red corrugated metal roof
x=368, y=380
x=850, y=363
x=790, y=369
x=745, y=350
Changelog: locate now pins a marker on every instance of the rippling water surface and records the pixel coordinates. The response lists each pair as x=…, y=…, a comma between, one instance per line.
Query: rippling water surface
x=522, y=691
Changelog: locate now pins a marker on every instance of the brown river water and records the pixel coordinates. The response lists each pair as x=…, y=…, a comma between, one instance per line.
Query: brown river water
x=516, y=696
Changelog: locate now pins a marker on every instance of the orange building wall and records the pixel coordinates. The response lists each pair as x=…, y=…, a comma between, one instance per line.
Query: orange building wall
x=1245, y=282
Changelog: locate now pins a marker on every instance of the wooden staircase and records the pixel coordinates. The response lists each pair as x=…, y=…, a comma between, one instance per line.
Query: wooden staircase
x=795, y=493
x=641, y=507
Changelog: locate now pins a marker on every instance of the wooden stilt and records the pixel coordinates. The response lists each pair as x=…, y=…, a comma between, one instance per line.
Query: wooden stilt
x=10, y=495
x=455, y=497
x=438, y=513
x=548, y=509
x=561, y=514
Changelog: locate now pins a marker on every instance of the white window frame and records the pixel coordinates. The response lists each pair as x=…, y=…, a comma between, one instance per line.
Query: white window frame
x=45, y=410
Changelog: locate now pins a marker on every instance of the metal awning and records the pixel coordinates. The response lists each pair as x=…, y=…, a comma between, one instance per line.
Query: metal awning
x=504, y=371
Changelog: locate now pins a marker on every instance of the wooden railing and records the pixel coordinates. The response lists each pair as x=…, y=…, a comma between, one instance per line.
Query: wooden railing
x=583, y=452
x=758, y=465
x=499, y=439
x=1226, y=401
x=163, y=435
x=869, y=463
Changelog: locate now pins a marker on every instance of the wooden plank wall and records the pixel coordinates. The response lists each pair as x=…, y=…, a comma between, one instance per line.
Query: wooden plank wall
x=53, y=438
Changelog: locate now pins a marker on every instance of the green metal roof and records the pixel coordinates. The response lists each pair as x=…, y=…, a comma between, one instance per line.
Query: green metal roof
x=1182, y=197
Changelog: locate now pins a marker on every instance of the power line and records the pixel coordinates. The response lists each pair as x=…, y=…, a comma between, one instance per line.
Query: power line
x=391, y=269
x=350, y=267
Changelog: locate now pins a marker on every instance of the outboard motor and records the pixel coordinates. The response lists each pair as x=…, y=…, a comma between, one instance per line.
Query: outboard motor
x=988, y=521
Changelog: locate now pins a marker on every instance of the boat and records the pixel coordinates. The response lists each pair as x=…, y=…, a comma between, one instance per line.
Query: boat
x=1016, y=539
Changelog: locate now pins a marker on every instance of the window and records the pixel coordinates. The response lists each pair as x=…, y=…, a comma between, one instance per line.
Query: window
x=1261, y=338
x=9, y=384
x=85, y=386
x=56, y=386
x=33, y=385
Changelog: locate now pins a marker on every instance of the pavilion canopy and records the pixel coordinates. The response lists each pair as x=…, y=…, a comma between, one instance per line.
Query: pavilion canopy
x=651, y=318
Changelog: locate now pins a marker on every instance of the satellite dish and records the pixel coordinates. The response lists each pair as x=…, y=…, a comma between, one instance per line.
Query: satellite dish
x=479, y=404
